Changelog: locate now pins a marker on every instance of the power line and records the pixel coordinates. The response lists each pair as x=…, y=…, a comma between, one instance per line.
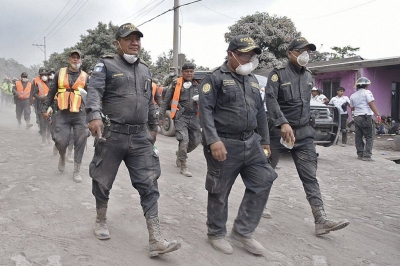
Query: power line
x=218, y=12
x=150, y=10
x=62, y=19
x=68, y=20
x=171, y=9
x=137, y=12
x=338, y=11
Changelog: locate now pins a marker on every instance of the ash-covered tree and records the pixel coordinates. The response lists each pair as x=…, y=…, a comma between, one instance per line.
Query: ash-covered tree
x=343, y=52
x=98, y=42
x=271, y=33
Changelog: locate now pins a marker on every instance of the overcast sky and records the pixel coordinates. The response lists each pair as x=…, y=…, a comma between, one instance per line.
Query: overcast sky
x=372, y=25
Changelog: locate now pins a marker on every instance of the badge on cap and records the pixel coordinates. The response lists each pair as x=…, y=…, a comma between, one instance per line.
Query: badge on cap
x=206, y=88
x=274, y=78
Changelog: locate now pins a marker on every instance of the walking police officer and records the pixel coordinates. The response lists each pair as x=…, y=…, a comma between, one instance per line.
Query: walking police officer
x=362, y=104
x=120, y=87
x=288, y=101
x=67, y=86
x=184, y=111
x=231, y=110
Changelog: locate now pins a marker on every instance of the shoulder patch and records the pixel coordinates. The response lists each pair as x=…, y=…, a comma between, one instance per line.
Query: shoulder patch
x=107, y=56
x=98, y=67
x=206, y=88
x=274, y=78
x=255, y=85
x=144, y=63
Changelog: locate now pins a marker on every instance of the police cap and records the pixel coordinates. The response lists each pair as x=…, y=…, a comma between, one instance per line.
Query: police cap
x=42, y=71
x=244, y=44
x=188, y=65
x=126, y=29
x=75, y=51
x=299, y=43
x=24, y=74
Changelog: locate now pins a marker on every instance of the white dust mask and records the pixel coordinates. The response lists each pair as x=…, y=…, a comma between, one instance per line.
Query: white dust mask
x=76, y=66
x=24, y=79
x=187, y=84
x=51, y=76
x=302, y=59
x=130, y=58
x=247, y=68
x=44, y=78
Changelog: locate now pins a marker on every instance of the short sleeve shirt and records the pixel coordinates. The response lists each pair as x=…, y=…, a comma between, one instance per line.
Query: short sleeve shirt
x=339, y=101
x=360, y=101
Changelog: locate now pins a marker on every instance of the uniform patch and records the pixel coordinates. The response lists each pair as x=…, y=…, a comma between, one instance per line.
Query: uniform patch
x=118, y=75
x=98, y=67
x=206, y=88
x=228, y=82
x=255, y=85
x=274, y=78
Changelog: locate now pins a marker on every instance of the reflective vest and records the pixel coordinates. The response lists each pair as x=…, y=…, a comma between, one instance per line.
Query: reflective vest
x=155, y=90
x=68, y=96
x=177, y=94
x=24, y=93
x=42, y=86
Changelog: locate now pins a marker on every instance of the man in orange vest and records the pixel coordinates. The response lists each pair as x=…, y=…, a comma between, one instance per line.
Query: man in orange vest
x=184, y=111
x=40, y=89
x=22, y=91
x=68, y=84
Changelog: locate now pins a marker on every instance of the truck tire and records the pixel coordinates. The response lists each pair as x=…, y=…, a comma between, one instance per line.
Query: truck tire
x=168, y=128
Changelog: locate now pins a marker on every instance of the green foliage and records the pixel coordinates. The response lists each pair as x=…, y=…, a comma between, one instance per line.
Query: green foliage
x=343, y=52
x=271, y=33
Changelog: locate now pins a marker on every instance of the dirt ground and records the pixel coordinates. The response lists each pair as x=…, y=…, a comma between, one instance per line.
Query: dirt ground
x=47, y=219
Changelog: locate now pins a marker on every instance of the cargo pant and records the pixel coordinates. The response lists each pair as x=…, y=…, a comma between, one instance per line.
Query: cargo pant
x=364, y=129
x=23, y=107
x=188, y=134
x=247, y=158
x=305, y=159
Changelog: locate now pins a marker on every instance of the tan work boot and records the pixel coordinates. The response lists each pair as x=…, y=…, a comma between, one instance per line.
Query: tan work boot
x=178, y=161
x=249, y=243
x=267, y=214
x=221, y=244
x=61, y=163
x=70, y=158
x=184, y=170
x=323, y=225
x=77, y=172
x=101, y=229
x=157, y=245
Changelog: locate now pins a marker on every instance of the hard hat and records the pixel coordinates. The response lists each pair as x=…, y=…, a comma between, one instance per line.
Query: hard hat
x=362, y=82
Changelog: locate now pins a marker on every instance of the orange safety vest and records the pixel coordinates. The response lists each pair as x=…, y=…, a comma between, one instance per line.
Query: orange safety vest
x=177, y=94
x=67, y=95
x=25, y=91
x=155, y=90
x=42, y=86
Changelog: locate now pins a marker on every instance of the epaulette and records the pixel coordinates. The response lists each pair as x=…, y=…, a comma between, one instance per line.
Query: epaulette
x=308, y=70
x=214, y=69
x=144, y=63
x=107, y=56
x=280, y=67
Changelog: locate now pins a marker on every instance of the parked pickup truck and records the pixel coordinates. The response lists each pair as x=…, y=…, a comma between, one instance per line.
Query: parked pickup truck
x=324, y=118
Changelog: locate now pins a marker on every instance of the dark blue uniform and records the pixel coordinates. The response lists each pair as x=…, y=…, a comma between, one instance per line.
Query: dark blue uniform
x=231, y=110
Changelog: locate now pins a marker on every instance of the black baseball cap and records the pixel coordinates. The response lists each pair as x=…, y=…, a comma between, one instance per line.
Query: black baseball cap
x=299, y=43
x=188, y=65
x=244, y=44
x=24, y=74
x=126, y=29
x=42, y=71
x=75, y=51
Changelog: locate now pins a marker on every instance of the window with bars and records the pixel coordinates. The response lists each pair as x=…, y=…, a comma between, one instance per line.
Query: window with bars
x=329, y=88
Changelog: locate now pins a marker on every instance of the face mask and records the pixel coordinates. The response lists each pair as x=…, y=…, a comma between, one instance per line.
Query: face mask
x=172, y=73
x=76, y=66
x=247, y=68
x=44, y=78
x=187, y=84
x=302, y=59
x=130, y=58
x=51, y=76
x=24, y=79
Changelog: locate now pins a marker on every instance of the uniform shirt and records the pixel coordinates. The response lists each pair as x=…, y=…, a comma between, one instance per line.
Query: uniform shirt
x=185, y=99
x=122, y=91
x=339, y=101
x=360, y=101
x=231, y=103
x=288, y=95
x=53, y=89
x=318, y=98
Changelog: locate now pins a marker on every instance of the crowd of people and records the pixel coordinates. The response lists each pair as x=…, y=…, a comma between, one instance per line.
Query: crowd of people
x=121, y=106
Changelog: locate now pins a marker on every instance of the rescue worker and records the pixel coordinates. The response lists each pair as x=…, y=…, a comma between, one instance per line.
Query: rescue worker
x=231, y=110
x=22, y=91
x=363, y=106
x=69, y=112
x=184, y=111
x=317, y=96
x=157, y=90
x=51, y=74
x=341, y=102
x=120, y=87
x=288, y=101
x=7, y=91
x=40, y=90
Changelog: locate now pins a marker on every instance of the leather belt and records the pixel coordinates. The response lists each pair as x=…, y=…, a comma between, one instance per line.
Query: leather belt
x=126, y=128
x=239, y=136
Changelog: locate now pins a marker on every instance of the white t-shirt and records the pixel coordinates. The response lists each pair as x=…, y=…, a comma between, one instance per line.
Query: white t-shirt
x=338, y=101
x=360, y=101
x=318, y=98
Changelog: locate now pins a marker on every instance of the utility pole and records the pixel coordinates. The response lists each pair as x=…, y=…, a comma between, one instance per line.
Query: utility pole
x=176, y=36
x=44, y=46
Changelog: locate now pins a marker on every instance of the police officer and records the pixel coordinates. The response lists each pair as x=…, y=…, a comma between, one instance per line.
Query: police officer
x=362, y=104
x=68, y=82
x=184, y=110
x=231, y=110
x=22, y=91
x=288, y=101
x=341, y=102
x=120, y=86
